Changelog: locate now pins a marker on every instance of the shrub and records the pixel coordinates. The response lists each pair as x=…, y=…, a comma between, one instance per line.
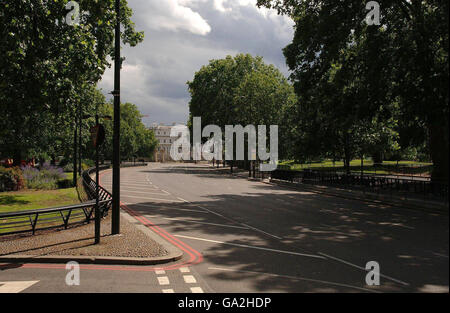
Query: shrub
x=87, y=164
x=11, y=179
x=47, y=177
x=64, y=162
x=68, y=168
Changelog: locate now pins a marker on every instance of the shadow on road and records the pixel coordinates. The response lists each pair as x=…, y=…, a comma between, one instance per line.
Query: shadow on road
x=410, y=246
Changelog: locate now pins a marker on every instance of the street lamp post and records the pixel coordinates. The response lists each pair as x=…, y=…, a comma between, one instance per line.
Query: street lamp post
x=97, y=190
x=115, y=218
x=98, y=138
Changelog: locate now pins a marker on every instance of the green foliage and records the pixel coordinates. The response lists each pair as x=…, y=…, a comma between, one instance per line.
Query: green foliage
x=135, y=139
x=11, y=179
x=48, y=68
x=240, y=90
x=370, y=89
x=68, y=168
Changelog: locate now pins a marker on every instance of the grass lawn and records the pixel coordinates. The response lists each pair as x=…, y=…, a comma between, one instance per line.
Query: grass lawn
x=36, y=199
x=69, y=175
x=388, y=167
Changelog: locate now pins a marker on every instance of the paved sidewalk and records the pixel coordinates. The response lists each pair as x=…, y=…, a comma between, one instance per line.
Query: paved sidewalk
x=133, y=246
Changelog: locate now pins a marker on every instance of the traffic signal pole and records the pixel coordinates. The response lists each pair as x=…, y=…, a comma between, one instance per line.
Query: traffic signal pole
x=115, y=222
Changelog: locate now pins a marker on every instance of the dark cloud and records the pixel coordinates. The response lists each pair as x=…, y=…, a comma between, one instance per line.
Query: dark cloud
x=183, y=35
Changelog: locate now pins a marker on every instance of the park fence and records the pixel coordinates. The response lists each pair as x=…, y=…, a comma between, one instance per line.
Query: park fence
x=62, y=216
x=417, y=187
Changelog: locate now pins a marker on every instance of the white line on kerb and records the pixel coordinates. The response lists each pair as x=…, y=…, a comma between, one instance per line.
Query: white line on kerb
x=253, y=247
x=294, y=278
x=362, y=268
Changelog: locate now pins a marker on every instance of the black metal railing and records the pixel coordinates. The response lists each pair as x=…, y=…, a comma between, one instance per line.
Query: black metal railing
x=63, y=216
x=420, y=188
x=90, y=185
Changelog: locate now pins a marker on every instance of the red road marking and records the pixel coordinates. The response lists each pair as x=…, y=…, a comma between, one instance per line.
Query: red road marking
x=195, y=256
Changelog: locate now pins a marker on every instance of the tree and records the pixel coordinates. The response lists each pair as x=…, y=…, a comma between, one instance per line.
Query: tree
x=46, y=64
x=239, y=90
x=135, y=139
x=403, y=63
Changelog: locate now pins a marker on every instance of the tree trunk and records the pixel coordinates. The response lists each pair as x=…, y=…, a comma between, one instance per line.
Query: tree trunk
x=17, y=157
x=75, y=153
x=439, y=150
x=362, y=165
x=347, y=158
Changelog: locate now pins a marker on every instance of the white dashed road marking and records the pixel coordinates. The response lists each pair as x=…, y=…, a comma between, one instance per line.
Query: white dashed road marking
x=185, y=270
x=164, y=280
x=167, y=291
x=196, y=290
x=362, y=268
x=148, y=198
x=144, y=192
x=205, y=223
x=254, y=247
x=16, y=286
x=228, y=219
x=189, y=279
x=295, y=278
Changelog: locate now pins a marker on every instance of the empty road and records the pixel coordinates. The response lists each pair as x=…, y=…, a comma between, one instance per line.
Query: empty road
x=248, y=236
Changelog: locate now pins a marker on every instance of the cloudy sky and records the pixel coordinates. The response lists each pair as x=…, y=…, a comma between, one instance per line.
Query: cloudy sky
x=183, y=35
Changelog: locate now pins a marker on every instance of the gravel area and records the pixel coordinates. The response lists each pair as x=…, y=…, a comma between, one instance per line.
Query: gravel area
x=78, y=241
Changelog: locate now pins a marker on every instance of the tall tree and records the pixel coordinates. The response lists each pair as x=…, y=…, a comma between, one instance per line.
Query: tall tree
x=405, y=59
x=136, y=140
x=239, y=90
x=46, y=62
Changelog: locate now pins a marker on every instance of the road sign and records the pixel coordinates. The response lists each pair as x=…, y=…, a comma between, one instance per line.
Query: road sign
x=98, y=135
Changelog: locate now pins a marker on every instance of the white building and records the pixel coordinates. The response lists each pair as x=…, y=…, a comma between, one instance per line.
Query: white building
x=162, y=134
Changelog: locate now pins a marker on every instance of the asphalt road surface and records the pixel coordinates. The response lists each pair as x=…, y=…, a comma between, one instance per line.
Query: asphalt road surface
x=247, y=236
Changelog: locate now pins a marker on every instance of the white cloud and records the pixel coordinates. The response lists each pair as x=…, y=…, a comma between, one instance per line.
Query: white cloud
x=171, y=15
x=183, y=35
